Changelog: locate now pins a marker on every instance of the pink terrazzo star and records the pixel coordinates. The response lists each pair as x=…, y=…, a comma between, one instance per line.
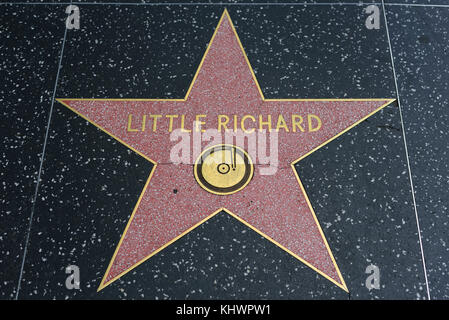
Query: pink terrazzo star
x=275, y=206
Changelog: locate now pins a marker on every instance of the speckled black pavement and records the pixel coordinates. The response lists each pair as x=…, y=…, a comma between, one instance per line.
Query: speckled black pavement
x=360, y=184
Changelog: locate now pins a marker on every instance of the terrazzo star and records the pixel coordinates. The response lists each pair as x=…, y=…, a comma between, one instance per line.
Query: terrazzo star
x=276, y=206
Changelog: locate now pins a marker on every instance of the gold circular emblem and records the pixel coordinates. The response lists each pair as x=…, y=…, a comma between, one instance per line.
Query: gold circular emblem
x=223, y=169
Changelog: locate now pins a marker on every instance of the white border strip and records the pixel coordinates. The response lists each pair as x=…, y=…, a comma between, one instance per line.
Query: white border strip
x=231, y=4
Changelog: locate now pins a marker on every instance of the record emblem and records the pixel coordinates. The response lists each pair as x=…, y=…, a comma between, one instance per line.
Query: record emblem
x=223, y=169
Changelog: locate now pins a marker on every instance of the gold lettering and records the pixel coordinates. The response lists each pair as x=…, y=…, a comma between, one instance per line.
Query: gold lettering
x=296, y=122
x=199, y=123
x=170, y=123
x=182, y=124
x=262, y=123
x=247, y=123
x=155, y=117
x=281, y=124
x=309, y=118
x=144, y=121
x=130, y=118
x=242, y=123
x=223, y=123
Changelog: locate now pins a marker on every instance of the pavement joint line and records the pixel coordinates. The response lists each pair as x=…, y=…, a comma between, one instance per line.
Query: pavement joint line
x=406, y=151
x=30, y=224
